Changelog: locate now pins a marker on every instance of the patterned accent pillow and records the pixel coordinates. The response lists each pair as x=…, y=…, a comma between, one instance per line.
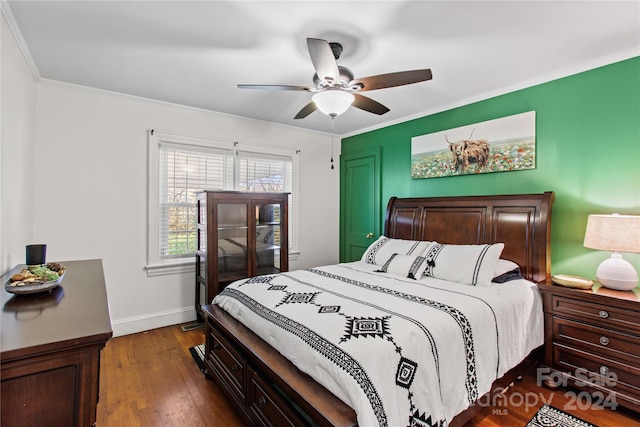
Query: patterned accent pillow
x=506, y=271
x=381, y=250
x=467, y=264
x=514, y=274
x=504, y=266
x=410, y=266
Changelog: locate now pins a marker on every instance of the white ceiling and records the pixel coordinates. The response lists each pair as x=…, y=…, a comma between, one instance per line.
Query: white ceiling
x=194, y=53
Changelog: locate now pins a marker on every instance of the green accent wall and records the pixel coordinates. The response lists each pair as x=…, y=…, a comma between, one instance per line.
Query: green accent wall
x=587, y=152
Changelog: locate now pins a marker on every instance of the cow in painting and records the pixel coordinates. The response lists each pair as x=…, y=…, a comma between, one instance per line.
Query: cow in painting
x=467, y=151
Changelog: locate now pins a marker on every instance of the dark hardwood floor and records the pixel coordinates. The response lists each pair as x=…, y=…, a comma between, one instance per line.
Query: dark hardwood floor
x=149, y=379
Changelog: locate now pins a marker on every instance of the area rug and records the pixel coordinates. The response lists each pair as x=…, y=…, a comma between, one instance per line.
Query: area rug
x=548, y=416
x=197, y=352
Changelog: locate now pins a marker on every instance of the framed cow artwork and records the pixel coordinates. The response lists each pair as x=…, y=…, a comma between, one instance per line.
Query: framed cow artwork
x=499, y=145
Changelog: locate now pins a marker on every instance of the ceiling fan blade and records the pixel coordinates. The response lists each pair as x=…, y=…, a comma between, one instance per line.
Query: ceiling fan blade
x=400, y=78
x=306, y=110
x=368, y=104
x=277, y=87
x=323, y=59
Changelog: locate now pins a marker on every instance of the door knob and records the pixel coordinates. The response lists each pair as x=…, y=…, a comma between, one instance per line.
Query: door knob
x=369, y=235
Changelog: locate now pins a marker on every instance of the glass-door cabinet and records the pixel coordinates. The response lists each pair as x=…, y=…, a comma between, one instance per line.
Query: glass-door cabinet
x=239, y=235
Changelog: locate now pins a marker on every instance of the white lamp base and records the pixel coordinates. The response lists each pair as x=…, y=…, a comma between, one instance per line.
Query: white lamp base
x=617, y=273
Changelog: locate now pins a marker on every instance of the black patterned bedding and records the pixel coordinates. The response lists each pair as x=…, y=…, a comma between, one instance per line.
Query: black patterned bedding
x=399, y=351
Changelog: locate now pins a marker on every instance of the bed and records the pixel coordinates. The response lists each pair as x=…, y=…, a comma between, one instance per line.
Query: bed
x=401, y=369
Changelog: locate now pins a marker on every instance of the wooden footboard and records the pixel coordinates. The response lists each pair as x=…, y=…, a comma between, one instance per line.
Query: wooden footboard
x=266, y=388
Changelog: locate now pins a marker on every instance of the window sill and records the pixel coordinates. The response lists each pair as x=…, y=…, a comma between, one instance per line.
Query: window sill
x=187, y=266
x=294, y=255
x=180, y=267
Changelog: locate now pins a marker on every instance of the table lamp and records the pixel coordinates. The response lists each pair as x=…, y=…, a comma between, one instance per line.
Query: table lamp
x=615, y=233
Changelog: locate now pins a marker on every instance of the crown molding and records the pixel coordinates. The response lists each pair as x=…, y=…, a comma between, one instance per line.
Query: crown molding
x=556, y=75
x=103, y=92
x=17, y=35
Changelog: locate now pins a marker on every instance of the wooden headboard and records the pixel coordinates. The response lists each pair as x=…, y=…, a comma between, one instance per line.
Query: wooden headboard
x=521, y=221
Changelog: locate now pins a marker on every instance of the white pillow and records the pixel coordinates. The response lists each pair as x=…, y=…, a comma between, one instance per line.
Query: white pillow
x=467, y=264
x=504, y=266
x=411, y=266
x=381, y=250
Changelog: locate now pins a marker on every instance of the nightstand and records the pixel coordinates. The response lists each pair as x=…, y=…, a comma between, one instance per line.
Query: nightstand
x=592, y=341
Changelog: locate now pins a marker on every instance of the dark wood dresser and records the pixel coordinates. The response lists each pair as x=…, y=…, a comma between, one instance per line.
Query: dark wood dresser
x=592, y=337
x=50, y=354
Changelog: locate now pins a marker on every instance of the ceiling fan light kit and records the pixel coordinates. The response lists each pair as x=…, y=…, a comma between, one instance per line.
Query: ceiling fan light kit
x=335, y=88
x=333, y=102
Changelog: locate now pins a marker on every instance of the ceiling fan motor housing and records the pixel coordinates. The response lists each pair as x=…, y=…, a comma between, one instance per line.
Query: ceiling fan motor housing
x=346, y=75
x=336, y=48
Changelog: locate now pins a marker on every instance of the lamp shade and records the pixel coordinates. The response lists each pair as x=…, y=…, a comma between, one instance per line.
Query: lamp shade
x=333, y=102
x=614, y=233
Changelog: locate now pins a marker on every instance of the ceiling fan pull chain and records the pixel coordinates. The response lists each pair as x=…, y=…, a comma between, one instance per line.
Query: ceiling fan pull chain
x=332, y=119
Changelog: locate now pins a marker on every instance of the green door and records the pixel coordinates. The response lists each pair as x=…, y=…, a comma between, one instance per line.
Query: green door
x=359, y=203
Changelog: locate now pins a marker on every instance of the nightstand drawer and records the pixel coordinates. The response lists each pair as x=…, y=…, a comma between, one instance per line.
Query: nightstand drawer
x=596, y=340
x=617, y=376
x=620, y=319
x=593, y=332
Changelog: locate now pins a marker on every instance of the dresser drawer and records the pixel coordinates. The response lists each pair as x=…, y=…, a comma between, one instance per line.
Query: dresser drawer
x=593, y=332
x=620, y=377
x=228, y=362
x=606, y=317
x=599, y=341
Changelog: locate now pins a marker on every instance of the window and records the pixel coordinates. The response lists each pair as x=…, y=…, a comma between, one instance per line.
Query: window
x=264, y=173
x=180, y=166
x=183, y=172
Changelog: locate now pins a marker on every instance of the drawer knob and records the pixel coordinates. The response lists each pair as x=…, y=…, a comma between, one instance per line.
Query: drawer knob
x=603, y=314
x=236, y=367
x=604, y=370
x=604, y=340
x=217, y=346
x=262, y=401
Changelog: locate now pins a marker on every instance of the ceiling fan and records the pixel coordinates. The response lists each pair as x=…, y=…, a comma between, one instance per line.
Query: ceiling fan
x=335, y=88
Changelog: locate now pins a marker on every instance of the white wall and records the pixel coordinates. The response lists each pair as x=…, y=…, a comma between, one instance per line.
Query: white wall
x=17, y=108
x=90, y=192
x=74, y=176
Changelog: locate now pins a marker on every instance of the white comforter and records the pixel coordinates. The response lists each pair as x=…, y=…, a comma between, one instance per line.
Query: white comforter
x=400, y=352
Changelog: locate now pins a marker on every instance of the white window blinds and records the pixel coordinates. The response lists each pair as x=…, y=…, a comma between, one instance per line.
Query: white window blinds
x=184, y=171
x=264, y=173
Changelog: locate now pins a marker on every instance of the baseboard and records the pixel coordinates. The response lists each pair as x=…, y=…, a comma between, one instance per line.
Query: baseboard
x=136, y=324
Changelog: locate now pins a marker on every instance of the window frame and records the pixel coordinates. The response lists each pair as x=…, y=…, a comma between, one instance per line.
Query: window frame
x=156, y=265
